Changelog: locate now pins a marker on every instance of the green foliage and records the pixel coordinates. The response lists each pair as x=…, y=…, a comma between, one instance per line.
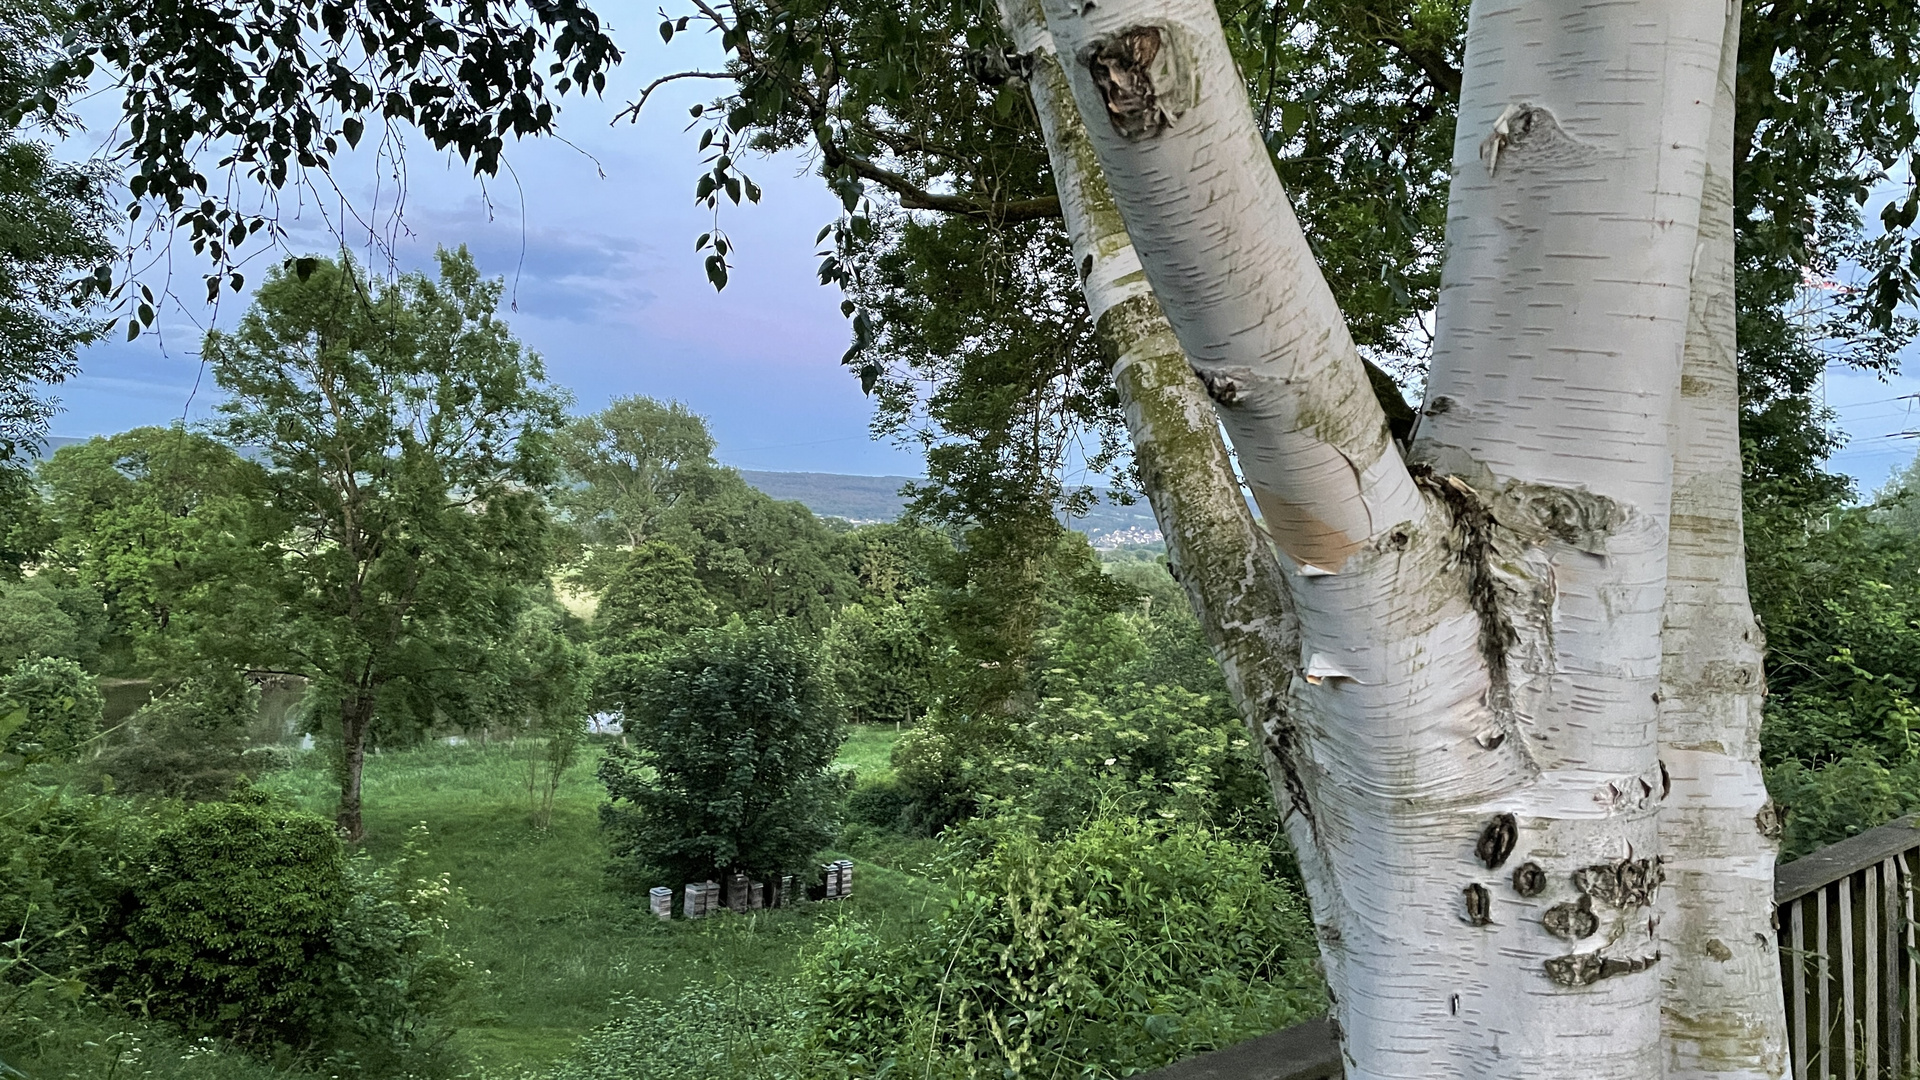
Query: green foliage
x=24, y=534
x=1827, y=111
x=538, y=685
x=50, y=1036
x=39, y=616
x=54, y=236
x=653, y=598
x=1114, y=950
x=63, y=706
x=739, y=1031
x=1143, y=750
x=647, y=496
x=1828, y=801
x=630, y=465
x=408, y=451
x=187, y=743
x=395, y=976
x=189, y=80
x=230, y=925
x=762, y=558
x=885, y=658
x=1131, y=712
x=64, y=865
x=247, y=921
x=732, y=738
x=1008, y=580
x=170, y=529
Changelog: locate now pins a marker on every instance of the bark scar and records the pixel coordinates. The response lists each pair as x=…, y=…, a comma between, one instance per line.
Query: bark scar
x=1473, y=521
x=1585, y=969
x=1132, y=70
x=1283, y=742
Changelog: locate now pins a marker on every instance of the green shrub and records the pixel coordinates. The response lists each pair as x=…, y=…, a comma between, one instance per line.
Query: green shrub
x=952, y=763
x=1117, y=949
x=1828, y=802
x=64, y=867
x=883, y=804
x=734, y=737
x=394, y=973
x=1140, y=749
x=884, y=658
x=261, y=760
x=247, y=921
x=742, y=1032
x=231, y=922
x=63, y=707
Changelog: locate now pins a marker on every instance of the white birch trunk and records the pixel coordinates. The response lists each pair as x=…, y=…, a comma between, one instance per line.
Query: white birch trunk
x=1723, y=1016
x=1477, y=761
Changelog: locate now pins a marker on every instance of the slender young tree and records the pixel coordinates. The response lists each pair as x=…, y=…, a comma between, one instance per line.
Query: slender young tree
x=407, y=435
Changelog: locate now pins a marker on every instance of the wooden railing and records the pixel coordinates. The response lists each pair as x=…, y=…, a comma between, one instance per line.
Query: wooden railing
x=1848, y=956
x=1849, y=959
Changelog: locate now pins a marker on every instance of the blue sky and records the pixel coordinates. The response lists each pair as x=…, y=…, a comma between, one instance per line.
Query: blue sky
x=596, y=243
x=595, y=238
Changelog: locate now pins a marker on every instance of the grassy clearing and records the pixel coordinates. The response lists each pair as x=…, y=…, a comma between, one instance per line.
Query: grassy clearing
x=868, y=751
x=554, y=941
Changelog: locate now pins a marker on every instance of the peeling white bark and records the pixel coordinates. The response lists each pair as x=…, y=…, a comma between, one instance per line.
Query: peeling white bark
x=1218, y=242
x=1722, y=1016
x=1472, y=738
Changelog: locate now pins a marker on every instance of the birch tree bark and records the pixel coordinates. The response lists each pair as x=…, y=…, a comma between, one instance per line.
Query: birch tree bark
x=1723, y=1016
x=1471, y=744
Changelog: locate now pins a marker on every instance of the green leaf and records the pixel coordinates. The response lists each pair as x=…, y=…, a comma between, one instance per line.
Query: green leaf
x=352, y=128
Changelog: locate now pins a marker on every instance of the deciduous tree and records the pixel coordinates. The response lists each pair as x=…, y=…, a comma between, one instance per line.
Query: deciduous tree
x=407, y=438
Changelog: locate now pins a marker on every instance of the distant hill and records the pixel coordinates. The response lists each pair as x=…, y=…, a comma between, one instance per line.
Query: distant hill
x=865, y=499
x=859, y=499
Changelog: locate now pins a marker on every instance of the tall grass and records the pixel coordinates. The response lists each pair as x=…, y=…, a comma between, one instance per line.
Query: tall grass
x=557, y=946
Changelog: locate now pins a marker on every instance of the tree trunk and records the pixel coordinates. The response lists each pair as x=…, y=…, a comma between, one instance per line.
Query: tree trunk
x=1471, y=744
x=356, y=719
x=1723, y=1016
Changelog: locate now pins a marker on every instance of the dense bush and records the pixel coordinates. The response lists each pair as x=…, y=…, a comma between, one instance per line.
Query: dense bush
x=1835, y=590
x=1119, y=948
x=1141, y=750
x=63, y=707
x=733, y=739
x=881, y=803
x=247, y=921
x=64, y=865
x=1136, y=718
x=230, y=924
